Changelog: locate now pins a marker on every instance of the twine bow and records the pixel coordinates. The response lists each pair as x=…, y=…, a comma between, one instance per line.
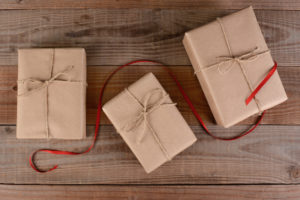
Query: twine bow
x=142, y=118
x=227, y=62
x=43, y=84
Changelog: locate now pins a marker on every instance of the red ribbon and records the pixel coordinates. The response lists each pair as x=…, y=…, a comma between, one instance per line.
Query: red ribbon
x=262, y=83
x=186, y=98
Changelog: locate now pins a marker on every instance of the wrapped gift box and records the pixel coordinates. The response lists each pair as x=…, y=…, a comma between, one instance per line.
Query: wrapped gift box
x=230, y=58
x=51, y=93
x=149, y=122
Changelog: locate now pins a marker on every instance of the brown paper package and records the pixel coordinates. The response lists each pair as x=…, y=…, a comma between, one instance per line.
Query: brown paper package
x=157, y=136
x=51, y=93
x=230, y=58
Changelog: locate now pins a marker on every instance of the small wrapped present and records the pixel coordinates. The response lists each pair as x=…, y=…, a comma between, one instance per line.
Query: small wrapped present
x=231, y=58
x=51, y=93
x=149, y=122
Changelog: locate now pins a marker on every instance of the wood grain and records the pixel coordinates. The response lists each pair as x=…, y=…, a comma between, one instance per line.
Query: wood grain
x=92, y=192
x=270, y=155
x=203, y=4
x=116, y=36
x=286, y=113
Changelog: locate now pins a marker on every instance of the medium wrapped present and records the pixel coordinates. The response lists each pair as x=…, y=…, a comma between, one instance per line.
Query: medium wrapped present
x=232, y=62
x=51, y=93
x=149, y=122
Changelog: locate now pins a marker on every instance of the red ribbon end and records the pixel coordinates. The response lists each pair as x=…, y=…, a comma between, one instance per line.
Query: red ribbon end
x=262, y=83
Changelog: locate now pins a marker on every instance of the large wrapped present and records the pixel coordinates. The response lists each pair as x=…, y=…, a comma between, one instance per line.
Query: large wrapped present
x=231, y=59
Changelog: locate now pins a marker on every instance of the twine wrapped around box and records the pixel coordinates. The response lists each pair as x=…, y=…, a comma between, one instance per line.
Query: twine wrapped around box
x=149, y=122
x=246, y=57
x=51, y=93
x=234, y=66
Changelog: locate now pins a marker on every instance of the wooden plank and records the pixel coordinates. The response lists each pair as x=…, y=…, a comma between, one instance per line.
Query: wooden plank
x=177, y=4
x=270, y=155
x=92, y=192
x=286, y=113
x=113, y=37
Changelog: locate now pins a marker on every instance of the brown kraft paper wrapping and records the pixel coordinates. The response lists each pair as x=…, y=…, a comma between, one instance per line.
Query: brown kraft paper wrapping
x=149, y=122
x=51, y=93
x=230, y=58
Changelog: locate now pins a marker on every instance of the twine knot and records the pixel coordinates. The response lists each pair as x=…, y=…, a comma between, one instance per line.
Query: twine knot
x=227, y=62
x=142, y=118
x=33, y=85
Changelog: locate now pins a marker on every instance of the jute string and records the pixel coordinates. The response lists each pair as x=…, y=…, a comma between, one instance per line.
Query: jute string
x=142, y=118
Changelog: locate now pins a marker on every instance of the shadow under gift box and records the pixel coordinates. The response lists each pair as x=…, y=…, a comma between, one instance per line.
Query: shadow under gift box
x=149, y=122
x=51, y=93
x=230, y=58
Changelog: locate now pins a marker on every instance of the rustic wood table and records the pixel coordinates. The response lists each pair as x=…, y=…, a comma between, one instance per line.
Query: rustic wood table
x=263, y=165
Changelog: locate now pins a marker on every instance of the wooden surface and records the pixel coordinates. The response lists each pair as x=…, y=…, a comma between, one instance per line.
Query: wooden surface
x=257, y=192
x=263, y=165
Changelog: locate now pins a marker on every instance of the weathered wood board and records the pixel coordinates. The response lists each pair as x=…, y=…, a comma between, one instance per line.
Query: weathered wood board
x=67, y=192
x=114, y=37
x=158, y=4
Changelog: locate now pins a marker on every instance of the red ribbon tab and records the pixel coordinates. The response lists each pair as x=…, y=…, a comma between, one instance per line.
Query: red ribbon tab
x=262, y=83
x=186, y=98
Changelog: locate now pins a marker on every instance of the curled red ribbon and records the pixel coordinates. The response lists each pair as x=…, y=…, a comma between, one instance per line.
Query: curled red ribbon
x=186, y=98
